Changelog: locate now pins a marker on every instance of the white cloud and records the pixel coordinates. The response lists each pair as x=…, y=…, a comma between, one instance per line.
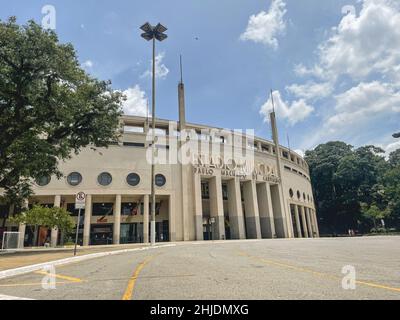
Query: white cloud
x=362, y=105
x=88, y=64
x=360, y=116
x=266, y=26
x=300, y=152
x=295, y=112
x=310, y=90
x=161, y=70
x=360, y=59
x=361, y=45
x=136, y=102
x=391, y=147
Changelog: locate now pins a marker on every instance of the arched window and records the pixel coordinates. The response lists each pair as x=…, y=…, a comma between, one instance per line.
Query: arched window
x=298, y=195
x=291, y=193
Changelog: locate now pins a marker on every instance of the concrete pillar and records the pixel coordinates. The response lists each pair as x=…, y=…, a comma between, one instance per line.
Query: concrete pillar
x=22, y=227
x=21, y=236
x=172, y=223
x=316, y=223
x=146, y=218
x=217, y=208
x=236, y=217
x=304, y=221
x=309, y=223
x=54, y=231
x=279, y=212
x=117, y=219
x=88, y=216
x=251, y=210
x=298, y=225
x=198, y=208
x=265, y=210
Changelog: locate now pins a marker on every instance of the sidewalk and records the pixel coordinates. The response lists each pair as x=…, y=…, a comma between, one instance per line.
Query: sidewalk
x=27, y=257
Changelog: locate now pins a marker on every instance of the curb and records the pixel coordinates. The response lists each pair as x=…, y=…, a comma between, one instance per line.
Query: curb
x=28, y=269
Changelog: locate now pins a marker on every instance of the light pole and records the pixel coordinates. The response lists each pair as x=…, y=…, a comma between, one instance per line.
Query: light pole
x=153, y=33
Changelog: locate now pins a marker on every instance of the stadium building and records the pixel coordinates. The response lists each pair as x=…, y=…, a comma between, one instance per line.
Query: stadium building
x=211, y=184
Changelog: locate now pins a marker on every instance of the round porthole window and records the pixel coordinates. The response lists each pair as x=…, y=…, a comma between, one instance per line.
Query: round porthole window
x=74, y=179
x=104, y=179
x=160, y=180
x=133, y=179
x=43, y=181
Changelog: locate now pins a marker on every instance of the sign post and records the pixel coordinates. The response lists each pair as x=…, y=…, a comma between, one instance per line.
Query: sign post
x=80, y=202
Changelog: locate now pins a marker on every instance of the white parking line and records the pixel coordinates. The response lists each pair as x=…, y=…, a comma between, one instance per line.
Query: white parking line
x=28, y=269
x=10, y=298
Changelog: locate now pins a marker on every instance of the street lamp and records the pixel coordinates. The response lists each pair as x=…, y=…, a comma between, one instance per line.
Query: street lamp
x=153, y=33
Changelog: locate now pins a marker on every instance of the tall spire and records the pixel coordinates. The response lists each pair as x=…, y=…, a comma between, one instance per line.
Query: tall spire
x=181, y=68
x=181, y=99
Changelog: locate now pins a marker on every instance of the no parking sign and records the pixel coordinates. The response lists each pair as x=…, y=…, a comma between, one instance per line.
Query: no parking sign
x=80, y=200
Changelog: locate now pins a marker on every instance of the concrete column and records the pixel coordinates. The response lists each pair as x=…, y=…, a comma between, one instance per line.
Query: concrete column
x=117, y=219
x=172, y=224
x=146, y=211
x=54, y=231
x=304, y=221
x=236, y=217
x=251, y=210
x=22, y=227
x=198, y=208
x=297, y=217
x=313, y=222
x=265, y=210
x=279, y=212
x=217, y=208
x=316, y=223
x=309, y=222
x=88, y=216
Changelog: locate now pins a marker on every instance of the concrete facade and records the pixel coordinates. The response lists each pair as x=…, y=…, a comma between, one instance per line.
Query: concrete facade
x=234, y=207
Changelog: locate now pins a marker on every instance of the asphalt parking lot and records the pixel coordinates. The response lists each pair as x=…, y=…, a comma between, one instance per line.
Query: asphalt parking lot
x=337, y=268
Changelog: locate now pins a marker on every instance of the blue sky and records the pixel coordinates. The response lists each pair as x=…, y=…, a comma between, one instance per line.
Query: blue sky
x=333, y=64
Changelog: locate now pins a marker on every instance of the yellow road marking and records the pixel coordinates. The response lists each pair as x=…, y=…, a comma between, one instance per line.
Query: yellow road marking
x=132, y=281
x=59, y=276
x=316, y=273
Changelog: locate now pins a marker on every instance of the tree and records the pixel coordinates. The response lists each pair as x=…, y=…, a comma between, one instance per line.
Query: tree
x=343, y=180
x=323, y=162
x=374, y=213
x=394, y=158
x=49, y=107
x=51, y=218
x=392, y=194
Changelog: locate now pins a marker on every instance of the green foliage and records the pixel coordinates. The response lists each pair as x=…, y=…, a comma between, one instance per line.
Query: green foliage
x=49, y=107
x=392, y=193
x=394, y=158
x=374, y=213
x=46, y=217
x=354, y=188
